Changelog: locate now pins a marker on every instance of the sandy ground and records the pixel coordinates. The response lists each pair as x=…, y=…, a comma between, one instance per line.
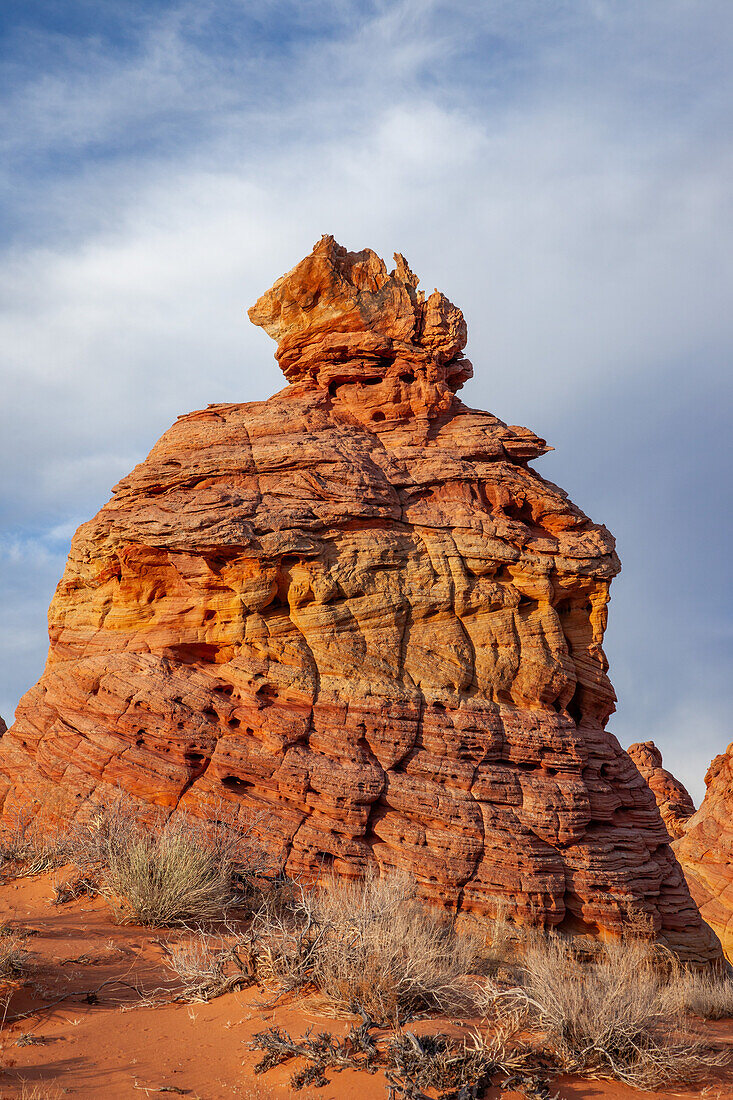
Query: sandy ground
x=81, y=1026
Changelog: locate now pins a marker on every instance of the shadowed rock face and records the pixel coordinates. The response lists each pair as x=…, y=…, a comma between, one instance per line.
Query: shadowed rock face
x=355, y=613
x=675, y=804
x=705, y=850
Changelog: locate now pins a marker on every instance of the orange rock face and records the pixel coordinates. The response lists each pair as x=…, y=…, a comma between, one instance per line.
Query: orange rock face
x=705, y=850
x=355, y=613
x=675, y=804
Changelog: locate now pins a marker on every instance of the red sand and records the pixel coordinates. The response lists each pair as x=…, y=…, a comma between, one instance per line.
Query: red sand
x=116, y=1048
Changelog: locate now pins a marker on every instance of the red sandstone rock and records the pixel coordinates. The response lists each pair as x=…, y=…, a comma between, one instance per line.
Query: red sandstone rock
x=705, y=850
x=675, y=804
x=356, y=613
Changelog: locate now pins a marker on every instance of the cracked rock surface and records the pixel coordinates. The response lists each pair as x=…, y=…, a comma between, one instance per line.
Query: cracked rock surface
x=355, y=615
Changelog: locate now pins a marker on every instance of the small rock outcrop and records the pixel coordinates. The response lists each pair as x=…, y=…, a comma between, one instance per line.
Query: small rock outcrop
x=354, y=615
x=675, y=804
x=705, y=850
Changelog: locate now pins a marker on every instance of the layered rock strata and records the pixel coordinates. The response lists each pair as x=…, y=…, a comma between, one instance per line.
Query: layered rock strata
x=356, y=616
x=705, y=850
x=672, y=798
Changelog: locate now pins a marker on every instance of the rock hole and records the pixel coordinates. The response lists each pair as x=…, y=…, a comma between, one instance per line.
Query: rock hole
x=407, y=377
x=233, y=783
x=371, y=381
x=209, y=615
x=378, y=416
x=574, y=708
x=267, y=692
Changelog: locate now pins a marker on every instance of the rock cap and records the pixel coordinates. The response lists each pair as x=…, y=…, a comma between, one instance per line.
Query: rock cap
x=338, y=308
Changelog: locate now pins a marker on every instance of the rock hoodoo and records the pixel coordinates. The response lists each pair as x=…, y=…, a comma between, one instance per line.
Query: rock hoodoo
x=705, y=850
x=675, y=804
x=355, y=613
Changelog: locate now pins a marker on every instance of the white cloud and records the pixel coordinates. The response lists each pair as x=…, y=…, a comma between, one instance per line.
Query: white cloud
x=560, y=173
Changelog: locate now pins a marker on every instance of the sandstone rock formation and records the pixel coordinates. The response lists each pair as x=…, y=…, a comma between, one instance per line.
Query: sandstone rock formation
x=675, y=804
x=705, y=850
x=355, y=614
x=3, y=727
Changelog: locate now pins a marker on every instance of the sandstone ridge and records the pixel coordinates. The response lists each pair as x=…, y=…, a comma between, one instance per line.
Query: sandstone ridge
x=705, y=850
x=356, y=616
x=673, y=800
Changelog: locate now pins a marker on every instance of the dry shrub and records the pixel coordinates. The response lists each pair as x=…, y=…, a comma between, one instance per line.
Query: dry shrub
x=169, y=876
x=209, y=965
x=700, y=993
x=372, y=947
x=452, y=1068
x=167, y=872
x=609, y=1016
x=26, y=848
x=13, y=968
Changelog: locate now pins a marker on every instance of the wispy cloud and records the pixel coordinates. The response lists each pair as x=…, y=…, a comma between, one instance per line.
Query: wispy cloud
x=561, y=170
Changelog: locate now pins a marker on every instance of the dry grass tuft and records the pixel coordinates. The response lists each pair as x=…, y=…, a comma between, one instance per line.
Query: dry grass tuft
x=607, y=1016
x=700, y=994
x=373, y=948
x=168, y=877
x=13, y=959
x=28, y=849
x=40, y=1091
x=169, y=872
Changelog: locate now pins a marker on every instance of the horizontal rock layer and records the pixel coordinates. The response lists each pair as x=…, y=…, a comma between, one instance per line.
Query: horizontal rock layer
x=354, y=615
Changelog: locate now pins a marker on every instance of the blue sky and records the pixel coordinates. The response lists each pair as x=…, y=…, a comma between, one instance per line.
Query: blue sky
x=560, y=169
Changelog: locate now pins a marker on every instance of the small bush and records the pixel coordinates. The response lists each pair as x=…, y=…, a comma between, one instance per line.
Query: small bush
x=170, y=876
x=702, y=994
x=28, y=849
x=208, y=965
x=609, y=1016
x=372, y=947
